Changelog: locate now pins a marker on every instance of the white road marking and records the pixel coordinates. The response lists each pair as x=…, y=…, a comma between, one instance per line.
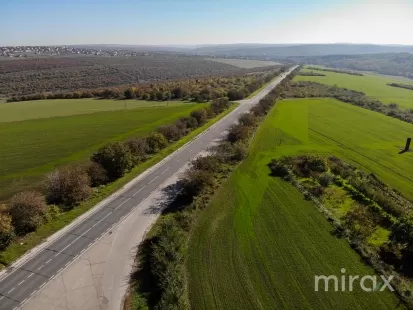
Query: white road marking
x=11, y=290
x=60, y=270
x=153, y=179
x=1, y=297
x=21, y=282
x=24, y=301
x=40, y=267
x=34, y=292
x=30, y=275
x=41, y=286
x=137, y=192
x=165, y=170
x=49, y=261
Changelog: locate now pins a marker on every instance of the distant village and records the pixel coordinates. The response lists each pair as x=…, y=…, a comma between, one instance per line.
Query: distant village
x=38, y=51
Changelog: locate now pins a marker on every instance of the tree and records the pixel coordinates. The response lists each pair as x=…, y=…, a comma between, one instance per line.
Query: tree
x=156, y=141
x=177, y=93
x=129, y=93
x=170, y=132
x=6, y=230
x=138, y=147
x=247, y=119
x=208, y=163
x=195, y=181
x=68, y=185
x=27, y=210
x=190, y=122
x=97, y=174
x=237, y=132
x=200, y=115
x=115, y=158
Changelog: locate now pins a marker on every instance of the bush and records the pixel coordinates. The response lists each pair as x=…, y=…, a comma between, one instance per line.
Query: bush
x=190, y=122
x=278, y=168
x=248, y=119
x=6, y=230
x=27, y=210
x=156, y=142
x=208, y=163
x=325, y=179
x=170, y=132
x=115, y=158
x=200, y=115
x=195, y=181
x=68, y=185
x=237, y=132
x=138, y=147
x=240, y=152
x=97, y=174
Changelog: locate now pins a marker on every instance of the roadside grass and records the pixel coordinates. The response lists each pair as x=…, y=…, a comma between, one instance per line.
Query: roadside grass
x=260, y=243
x=372, y=85
x=32, y=148
x=245, y=63
x=25, y=110
x=17, y=249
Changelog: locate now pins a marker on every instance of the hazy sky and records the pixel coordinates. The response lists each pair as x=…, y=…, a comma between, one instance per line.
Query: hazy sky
x=49, y=22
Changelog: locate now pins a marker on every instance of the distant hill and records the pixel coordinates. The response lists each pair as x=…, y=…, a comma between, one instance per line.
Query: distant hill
x=397, y=64
x=277, y=51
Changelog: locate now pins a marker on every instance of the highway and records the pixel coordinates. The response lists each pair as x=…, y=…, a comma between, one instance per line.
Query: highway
x=25, y=279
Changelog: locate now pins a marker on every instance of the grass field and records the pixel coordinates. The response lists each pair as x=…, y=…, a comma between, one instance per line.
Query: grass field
x=372, y=85
x=19, y=111
x=260, y=244
x=34, y=147
x=245, y=63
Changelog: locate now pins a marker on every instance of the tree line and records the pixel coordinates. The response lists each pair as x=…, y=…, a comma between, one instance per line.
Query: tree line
x=336, y=71
x=160, y=279
x=234, y=87
x=375, y=205
x=67, y=186
x=304, y=89
x=406, y=86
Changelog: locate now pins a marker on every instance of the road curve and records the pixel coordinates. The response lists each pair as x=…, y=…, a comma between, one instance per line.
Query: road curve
x=26, y=278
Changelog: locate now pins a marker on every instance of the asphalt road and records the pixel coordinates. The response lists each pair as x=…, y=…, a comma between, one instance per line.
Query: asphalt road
x=25, y=280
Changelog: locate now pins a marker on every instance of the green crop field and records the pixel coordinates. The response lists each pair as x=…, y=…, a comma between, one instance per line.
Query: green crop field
x=19, y=111
x=260, y=244
x=372, y=85
x=245, y=63
x=34, y=147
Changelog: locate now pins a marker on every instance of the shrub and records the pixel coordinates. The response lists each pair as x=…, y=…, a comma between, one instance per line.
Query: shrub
x=27, y=210
x=247, y=119
x=200, y=115
x=68, y=185
x=278, y=168
x=138, y=147
x=97, y=174
x=195, y=181
x=208, y=163
x=156, y=141
x=6, y=230
x=240, y=152
x=115, y=158
x=190, y=122
x=237, y=132
x=170, y=132
x=325, y=179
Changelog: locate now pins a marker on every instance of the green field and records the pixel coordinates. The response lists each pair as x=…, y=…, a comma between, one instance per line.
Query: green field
x=34, y=147
x=245, y=63
x=260, y=244
x=19, y=111
x=372, y=85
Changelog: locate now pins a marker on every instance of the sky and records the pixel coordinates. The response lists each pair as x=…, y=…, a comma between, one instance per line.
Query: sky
x=197, y=22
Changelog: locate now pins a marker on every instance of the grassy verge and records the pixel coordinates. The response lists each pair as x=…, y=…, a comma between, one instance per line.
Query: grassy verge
x=17, y=249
